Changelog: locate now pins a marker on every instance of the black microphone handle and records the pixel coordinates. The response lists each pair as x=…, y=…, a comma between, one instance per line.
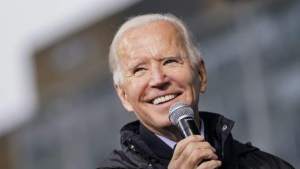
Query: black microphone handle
x=188, y=127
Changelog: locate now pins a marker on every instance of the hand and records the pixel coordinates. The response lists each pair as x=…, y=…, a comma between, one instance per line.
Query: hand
x=194, y=152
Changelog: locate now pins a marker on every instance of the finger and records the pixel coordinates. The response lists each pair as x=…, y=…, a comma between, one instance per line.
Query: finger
x=181, y=145
x=203, y=145
x=210, y=164
x=191, y=153
x=201, y=150
x=198, y=156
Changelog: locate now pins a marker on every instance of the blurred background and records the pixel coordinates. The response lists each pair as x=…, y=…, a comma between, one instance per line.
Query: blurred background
x=58, y=108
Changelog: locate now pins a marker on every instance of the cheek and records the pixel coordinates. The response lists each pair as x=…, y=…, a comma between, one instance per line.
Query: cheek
x=183, y=77
x=135, y=90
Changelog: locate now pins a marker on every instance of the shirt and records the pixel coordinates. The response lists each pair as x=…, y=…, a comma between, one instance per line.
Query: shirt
x=172, y=143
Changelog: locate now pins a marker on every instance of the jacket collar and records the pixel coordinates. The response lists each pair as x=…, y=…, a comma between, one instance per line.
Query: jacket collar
x=137, y=138
x=217, y=130
x=160, y=148
x=132, y=140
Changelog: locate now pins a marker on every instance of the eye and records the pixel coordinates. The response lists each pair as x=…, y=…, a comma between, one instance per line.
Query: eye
x=138, y=70
x=170, y=61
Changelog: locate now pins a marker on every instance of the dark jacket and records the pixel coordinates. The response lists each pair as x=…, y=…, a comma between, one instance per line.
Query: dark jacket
x=142, y=149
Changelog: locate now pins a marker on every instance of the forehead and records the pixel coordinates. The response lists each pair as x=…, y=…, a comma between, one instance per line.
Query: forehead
x=156, y=34
x=154, y=28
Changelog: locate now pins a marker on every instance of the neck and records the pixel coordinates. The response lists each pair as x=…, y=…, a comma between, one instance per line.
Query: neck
x=171, y=133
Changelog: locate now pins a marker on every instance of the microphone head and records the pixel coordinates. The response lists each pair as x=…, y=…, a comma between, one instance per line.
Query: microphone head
x=178, y=111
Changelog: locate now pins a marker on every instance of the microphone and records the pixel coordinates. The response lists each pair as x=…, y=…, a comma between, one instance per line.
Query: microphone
x=182, y=116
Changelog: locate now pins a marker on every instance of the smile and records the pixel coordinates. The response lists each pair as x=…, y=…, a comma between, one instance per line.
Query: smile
x=163, y=99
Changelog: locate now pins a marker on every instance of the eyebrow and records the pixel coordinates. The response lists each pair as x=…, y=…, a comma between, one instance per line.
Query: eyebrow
x=177, y=56
x=135, y=63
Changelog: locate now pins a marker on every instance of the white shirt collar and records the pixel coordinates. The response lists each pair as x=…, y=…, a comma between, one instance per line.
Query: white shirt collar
x=172, y=143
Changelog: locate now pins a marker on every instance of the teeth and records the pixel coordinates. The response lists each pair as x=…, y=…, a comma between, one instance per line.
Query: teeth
x=163, y=99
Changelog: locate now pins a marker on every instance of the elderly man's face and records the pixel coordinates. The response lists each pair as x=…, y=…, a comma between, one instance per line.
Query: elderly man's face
x=157, y=73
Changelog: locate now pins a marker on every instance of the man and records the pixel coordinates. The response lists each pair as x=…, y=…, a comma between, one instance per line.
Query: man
x=155, y=65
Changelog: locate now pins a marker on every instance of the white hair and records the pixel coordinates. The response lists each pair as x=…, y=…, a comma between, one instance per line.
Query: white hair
x=193, y=52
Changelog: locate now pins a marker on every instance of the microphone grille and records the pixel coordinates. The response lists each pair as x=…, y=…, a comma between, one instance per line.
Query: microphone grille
x=179, y=110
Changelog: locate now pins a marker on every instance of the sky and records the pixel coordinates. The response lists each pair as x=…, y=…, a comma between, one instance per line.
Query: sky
x=29, y=25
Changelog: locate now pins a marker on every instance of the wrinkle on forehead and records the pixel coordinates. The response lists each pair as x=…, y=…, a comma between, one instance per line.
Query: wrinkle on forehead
x=138, y=39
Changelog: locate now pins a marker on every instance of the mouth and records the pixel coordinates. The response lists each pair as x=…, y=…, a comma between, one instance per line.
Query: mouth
x=164, y=99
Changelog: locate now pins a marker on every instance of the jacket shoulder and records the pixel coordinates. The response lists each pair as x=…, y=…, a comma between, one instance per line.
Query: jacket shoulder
x=251, y=157
x=124, y=159
x=117, y=160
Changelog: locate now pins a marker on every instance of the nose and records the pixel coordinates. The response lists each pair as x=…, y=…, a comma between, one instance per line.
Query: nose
x=159, y=78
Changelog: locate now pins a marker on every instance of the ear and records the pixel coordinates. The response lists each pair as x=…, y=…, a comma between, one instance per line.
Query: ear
x=123, y=97
x=202, y=75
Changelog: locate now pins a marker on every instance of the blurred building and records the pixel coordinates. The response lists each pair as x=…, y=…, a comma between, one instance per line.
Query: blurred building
x=251, y=52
